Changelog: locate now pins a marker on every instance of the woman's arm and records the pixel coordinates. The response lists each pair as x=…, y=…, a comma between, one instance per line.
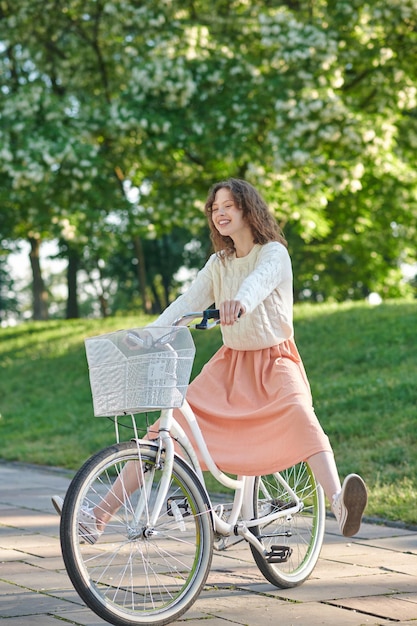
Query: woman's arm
x=198, y=297
x=272, y=269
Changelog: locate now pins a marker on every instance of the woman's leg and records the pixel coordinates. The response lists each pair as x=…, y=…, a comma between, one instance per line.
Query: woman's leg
x=349, y=500
x=325, y=471
x=127, y=483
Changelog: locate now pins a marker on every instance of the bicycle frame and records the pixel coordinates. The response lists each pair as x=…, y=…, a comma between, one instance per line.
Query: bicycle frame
x=170, y=431
x=155, y=523
x=242, y=486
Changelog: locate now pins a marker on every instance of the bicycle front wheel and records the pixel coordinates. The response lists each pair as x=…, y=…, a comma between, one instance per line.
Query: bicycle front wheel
x=293, y=541
x=137, y=574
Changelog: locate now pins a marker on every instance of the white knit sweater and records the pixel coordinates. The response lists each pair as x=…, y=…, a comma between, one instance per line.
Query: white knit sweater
x=262, y=281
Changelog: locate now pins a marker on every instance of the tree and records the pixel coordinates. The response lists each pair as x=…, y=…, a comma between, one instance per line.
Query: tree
x=8, y=303
x=315, y=103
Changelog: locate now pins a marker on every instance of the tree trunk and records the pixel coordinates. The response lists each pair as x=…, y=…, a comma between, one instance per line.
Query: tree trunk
x=104, y=305
x=157, y=306
x=141, y=274
x=72, y=298
x=166, y=280
x=39, y=292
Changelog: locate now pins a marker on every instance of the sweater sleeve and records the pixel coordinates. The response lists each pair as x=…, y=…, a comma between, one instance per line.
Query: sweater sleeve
x=273, y=268
x=198, y=297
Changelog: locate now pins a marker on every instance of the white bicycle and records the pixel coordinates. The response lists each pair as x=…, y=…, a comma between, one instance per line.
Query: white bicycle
x=152, y=559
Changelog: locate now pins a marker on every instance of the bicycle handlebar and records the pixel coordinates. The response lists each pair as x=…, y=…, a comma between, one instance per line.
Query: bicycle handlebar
x=208, y=314
x=134, y=341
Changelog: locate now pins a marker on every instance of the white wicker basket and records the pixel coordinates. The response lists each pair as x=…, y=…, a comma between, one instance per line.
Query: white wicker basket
x=137, y=370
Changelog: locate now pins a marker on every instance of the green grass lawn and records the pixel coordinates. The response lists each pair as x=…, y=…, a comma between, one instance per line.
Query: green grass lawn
x=361, y=362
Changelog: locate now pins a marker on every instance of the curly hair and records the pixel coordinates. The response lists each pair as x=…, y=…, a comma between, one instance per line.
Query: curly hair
x=255, y=211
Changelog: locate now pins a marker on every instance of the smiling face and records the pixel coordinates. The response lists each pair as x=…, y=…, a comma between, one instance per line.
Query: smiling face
x=239, y=218
x=227, y=217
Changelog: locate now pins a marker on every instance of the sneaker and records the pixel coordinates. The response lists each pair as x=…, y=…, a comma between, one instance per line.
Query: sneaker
x=87, y=522
x=349, y=505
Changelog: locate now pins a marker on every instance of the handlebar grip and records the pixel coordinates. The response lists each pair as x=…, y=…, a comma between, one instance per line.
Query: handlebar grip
x=211, y=314
x=208, y=314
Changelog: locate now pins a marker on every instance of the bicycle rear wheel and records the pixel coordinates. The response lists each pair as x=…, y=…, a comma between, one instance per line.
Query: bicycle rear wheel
x=293, y=541
x=134, y=574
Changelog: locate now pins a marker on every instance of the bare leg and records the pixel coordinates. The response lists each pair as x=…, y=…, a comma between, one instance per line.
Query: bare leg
x=130, y=479
x=325, y=471
x=349, y=500
x=127, y=483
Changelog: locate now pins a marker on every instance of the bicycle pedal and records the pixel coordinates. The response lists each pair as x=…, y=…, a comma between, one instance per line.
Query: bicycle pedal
x=175, y=503
x=278, y=554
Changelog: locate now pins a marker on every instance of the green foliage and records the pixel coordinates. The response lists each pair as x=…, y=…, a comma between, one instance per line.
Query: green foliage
x=315, y=103
x=360, y=361
x=364, y=390
x=8, y=302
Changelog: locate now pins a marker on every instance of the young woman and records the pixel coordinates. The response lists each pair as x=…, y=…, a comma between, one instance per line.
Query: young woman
x=255, y=384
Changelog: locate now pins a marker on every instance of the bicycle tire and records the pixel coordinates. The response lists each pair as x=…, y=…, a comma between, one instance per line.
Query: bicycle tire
x=297, y=538
x=128, y=578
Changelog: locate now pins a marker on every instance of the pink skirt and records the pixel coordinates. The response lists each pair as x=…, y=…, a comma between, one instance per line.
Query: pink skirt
x=255, y=410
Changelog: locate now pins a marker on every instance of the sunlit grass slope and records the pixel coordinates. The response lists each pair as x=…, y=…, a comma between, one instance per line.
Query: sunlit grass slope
x=361, y=362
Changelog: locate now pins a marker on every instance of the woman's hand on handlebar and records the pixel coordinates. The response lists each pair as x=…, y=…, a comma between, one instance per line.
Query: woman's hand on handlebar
x=230, y=311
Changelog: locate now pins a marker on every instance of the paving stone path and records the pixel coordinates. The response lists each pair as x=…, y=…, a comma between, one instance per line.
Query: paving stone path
x=369, y=580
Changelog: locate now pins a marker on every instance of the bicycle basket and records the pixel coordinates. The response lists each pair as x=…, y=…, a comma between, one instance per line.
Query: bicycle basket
x=136, y=370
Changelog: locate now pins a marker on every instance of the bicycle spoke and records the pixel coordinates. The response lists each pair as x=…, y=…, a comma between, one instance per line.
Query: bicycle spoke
x=133, y=573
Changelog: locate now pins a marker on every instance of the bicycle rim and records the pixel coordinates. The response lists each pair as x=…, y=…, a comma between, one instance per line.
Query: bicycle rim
x=297, y=538
x=128, y=576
